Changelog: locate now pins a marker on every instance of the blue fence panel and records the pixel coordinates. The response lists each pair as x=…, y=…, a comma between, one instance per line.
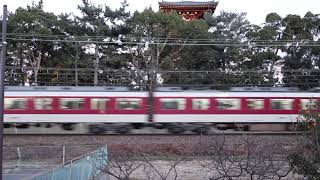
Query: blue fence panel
x=84, y=168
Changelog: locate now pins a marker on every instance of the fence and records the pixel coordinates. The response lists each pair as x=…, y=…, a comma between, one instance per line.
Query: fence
x=84, y=168
x=43, y=155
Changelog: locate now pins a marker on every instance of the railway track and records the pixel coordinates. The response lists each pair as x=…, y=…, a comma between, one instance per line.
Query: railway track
x=78, y=140
x=220, y=133
x=147, y=131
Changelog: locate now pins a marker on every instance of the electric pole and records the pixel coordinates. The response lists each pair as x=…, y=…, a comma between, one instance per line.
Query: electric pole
x=2, y=76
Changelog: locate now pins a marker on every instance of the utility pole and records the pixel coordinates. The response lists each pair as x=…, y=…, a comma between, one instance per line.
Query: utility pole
x=152, y=85
x=2, y=76
x=96, y=65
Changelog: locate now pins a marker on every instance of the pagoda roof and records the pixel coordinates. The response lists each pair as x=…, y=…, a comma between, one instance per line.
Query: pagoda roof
x=189, y=3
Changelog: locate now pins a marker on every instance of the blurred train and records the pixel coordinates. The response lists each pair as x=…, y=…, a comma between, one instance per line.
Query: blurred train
x=121, y=110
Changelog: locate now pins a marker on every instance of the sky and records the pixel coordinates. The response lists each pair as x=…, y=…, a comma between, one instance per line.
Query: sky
x=256, y=9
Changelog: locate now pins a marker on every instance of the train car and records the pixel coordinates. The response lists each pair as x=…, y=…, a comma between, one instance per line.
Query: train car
x=67, y=106
x=246, y=108
x=172, y=108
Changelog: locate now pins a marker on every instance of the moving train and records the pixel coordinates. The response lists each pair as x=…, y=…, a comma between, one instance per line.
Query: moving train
x=120, y=109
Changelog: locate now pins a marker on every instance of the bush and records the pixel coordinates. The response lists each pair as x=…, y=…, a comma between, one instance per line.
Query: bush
x=306, y=159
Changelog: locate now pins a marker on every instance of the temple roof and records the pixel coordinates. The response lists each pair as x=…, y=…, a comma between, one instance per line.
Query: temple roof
x=188, y=3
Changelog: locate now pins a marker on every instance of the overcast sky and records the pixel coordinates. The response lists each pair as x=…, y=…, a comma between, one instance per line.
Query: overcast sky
x=256, y=9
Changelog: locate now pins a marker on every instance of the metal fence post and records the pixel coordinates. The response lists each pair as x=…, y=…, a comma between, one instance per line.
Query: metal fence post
x=70, y=170
x=53, y=174
x=63, y=154
x=19, y=156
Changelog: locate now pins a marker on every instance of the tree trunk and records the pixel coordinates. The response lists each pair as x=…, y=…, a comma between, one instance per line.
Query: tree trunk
x=22, y=76
x=96, y=65
x=37, y=63
x=152, y=77
x=76, y=65
x=36, y=77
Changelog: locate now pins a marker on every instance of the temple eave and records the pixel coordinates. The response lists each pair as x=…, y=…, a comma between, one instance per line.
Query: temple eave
x=188, y=3
x=188, y=7
x=189, y=10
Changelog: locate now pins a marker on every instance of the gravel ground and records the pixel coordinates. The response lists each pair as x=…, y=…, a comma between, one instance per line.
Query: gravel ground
x=183, y=144
x=53, y=140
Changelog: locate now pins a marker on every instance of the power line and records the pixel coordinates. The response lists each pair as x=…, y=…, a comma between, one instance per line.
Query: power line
x=166, y=71
x=167, y=43
x=173, y=41
x=74, y=37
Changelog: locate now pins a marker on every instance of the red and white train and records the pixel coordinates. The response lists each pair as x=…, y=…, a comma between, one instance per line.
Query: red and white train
x=174, y=108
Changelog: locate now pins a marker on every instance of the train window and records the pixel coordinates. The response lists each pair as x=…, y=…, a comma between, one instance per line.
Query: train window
x=43, y=103
x=309, y=104
x=200, y=104
x=229, y=104
x=282, y=104
x=15, y=103
x=129, y=103
x=99, y=103
x=72, y=103
x=255, y=104
x=173, y=104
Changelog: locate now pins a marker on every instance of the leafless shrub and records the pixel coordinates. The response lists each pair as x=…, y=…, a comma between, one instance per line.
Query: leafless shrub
x=217, y=157
x=305, y=157
x=119, y=163
x=250, y=158
x=222, y=162
x=152, y=161
x=162, y=166
x=265, y=160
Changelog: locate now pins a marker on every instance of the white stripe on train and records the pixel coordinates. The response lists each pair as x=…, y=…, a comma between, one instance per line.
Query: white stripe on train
x=160, y=118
